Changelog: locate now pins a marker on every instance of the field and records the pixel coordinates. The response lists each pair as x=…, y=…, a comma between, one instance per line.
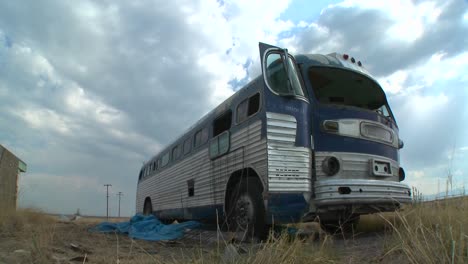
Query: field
x=433, y=232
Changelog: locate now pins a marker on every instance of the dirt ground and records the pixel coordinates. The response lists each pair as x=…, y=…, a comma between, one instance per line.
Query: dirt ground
x=71, y=242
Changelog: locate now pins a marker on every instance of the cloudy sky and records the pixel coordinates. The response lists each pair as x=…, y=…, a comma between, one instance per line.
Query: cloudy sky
x=91, y=89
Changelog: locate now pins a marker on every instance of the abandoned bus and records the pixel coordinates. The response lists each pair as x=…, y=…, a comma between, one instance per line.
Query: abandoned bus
x=313, y=136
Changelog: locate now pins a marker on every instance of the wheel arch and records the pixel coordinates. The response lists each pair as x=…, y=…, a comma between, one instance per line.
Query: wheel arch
x=237, y=177
x=147, y=199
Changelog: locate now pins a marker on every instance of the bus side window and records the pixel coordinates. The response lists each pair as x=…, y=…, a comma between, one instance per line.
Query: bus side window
x=219, y=144
x=247, y=108
x=165, y=160
x=175, y=153
x=187, y=145
x=191, y=187
x=254, y=104
x=242, y=111
x=141, y=174
x=201, y=137
x=204, y=137
x=222, y=123
x=155, y=165
x=197, y=139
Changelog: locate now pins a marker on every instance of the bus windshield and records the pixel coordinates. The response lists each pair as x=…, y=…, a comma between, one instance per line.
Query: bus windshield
x=345, y=87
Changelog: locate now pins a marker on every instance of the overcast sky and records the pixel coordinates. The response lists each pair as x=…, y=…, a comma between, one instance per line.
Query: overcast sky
x=91, y=89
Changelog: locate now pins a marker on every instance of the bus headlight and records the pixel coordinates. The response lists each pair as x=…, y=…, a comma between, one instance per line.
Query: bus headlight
x=331, y=166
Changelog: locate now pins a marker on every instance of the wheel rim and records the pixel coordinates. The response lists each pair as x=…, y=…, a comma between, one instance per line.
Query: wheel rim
x=244, y=212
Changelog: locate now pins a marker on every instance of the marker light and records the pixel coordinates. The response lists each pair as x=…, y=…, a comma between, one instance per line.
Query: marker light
x=353, y=60
x=345, y=56
x=359, y=63
x=331, y=126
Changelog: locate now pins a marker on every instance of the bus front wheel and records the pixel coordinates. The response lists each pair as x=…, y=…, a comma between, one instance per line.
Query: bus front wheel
x=246, y=213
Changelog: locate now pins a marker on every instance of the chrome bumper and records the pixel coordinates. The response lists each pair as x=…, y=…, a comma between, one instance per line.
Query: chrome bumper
x=370, y=192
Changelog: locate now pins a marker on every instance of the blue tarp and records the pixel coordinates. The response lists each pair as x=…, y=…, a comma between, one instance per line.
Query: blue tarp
x=146, y=228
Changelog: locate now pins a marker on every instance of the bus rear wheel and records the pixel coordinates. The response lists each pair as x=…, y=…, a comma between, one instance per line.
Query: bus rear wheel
x=246, y=212
x=148, y=207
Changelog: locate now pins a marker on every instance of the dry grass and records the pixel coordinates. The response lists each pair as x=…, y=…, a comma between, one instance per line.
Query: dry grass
x=434, y=232
x=48, y=241
x=28, y=230
x=423, y=233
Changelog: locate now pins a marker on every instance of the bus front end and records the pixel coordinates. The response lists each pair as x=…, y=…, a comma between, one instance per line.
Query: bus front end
x=354, y=139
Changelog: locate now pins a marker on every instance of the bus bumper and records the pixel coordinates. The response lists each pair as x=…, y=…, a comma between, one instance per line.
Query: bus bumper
x=385, y=195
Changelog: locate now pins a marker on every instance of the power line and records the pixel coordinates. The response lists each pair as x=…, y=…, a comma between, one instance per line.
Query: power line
x=107, y=196
x=119, y=194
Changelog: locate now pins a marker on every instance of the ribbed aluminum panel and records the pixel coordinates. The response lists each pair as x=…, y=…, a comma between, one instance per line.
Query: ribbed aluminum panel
x=288, y=165
x=354, y=166
x=168, y=189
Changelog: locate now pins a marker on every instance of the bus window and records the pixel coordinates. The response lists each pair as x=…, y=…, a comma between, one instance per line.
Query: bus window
x=165, y=160
x=248, y=107
x=155, y=165
x=219, y=145
x=191, y=187
x=187, y=145
x=222, y=123
x=201, y=136
x=282, y=78
x=175, y=153
x=141, y=174
x=254, y=104
x=345, y=87
x=204, y=137
x=242, y=111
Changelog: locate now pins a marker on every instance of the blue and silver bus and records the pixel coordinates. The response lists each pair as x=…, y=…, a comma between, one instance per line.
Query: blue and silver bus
x=313, y=136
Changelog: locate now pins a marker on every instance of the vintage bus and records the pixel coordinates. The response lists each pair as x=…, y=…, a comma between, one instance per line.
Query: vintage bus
x=313, y=136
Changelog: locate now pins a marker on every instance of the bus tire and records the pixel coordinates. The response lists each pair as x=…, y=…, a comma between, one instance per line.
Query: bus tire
x=246, y=212
x=148, y=207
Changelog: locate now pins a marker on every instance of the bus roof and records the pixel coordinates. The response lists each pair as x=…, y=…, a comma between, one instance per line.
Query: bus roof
x=334, y=60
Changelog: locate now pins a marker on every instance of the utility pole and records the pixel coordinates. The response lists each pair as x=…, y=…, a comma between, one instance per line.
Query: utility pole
x=119, y=194
x=107, y=196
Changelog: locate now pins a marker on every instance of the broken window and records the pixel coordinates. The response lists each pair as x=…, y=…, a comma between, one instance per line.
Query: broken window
x=349, y=88
x=222, y=123
x=191, y=187
x=248, y=107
